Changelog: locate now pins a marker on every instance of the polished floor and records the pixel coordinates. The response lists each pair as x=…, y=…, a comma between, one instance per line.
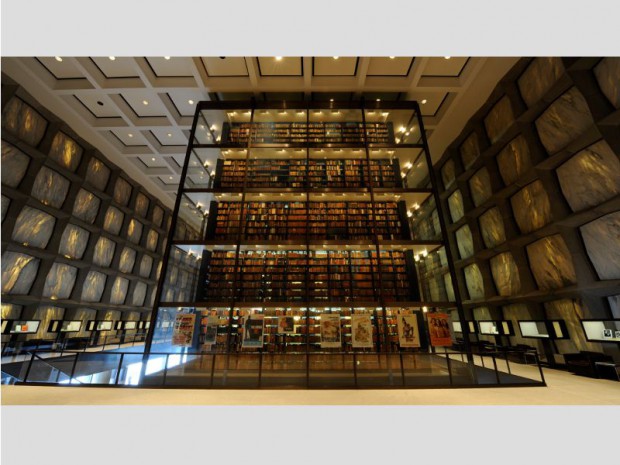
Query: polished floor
x=563, y=388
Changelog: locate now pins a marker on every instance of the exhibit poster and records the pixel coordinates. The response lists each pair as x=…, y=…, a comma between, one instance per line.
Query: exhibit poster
x=361, y=331
x=253, y=331
x=408, y=331
x=209, y=328
x=183, y=330
x=439, y=329
x=330, y=330
x=286, y=325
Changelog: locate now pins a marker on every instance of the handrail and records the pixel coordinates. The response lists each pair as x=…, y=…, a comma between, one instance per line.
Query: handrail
x=34, y=354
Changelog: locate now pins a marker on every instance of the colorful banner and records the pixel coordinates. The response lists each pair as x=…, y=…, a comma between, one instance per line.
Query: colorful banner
x=408, y=331
x=183, y=330
x=286, y=325
x=361, y=331
x=253, y=327
x=439, y=329
x=330, y=330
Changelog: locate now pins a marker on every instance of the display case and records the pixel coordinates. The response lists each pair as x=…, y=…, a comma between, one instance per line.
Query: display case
x=543, y=329
x=99, y=325
x=25, y=326
x=71, y=326
x=130, y=325
x=601, y=330
x=495, y=327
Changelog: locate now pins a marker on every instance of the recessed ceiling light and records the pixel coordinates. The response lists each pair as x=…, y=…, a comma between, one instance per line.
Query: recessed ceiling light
x=335, y=58
x=170, y=177
x=130, y=135
x=378, y=100
x=112, y=58
x=152, y=158
x=145, y=102
x=213, y=127
x=58, y=58
x=191, y=102
x=169, y=134
x=166, y=58
x=424, y=102
x=447, y=58
x=278, y=58
x=331, y=99
x=391, y=58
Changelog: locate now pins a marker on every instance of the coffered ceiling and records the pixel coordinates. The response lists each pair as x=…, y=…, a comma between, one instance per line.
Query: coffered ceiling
x=138, y=110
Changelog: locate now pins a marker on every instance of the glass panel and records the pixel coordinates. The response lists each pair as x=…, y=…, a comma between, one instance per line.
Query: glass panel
x=182, y=274
x=499, y=119
x=539, y=77
x=122, y=191
x=73, y=242
x=480, y=187
x=465, y=242
x=113, y=220
x=145, y=266
x=127, y=260
x=551, y=263
x=607, y=72
x=98, y=174
x=391, y=126
x=104, y=252
x=18, y=272
x=14, y=164
x=514, y=160
x=276, y=127
x=221, y=126
x=412, y=164
x=142, y=204
x=86, y=206
x=139, y=294
x=33, y=227
x=134, y=231
x=119, y=291
x=492, y=228
x=602, y=330
x=22, y=120
x=531, y=207
x=602, y=239
x=93, y=287
x=60, y=281
x=50, y=187
x=158, y=216
x=65, y=151
x=151, y=240
x=424, y=220
x=505, y=274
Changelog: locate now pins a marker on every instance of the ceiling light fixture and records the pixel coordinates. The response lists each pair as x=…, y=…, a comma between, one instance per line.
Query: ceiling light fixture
x=391, y=58
x=378, y=100
x=169, y=134
x=58, y=58
x=152, y=158
x=335, y=58
x=278, y=58
x=191, y=102
x=112, y=58
x=166, y=58
x=130, y=135
x=170, y=177
x=447, y=58
x=145, y=102
x=424, y=102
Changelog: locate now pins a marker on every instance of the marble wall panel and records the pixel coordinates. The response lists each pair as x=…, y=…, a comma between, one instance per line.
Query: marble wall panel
x=23, y=121
x=6, y=202
x=551, y=263
x=607, y=73
x=499, y=119
x=86, y=206
x=602, y=240
x=470, y=150
x=448, y=174
x=33, y=227
x=119, y=291
x=505, y=274
x=492, y=228
x=14, y=165
x=590, y=177
x=60, y=281
x=46, y=313
x=73, y=241
x=134, y=231
x=614, y=305
x=447, y=282
x=50, y=188
x=464, y=241
x=127, y=260
x=436, y=289
x=98, y=174
x=473, y=280
x=158, y=271
x=94, y=286
x=84, y=315
x=104, y=252
x=10, y=311
x=145, y=266
x=480, y=186
x=571, y=311
x=514, y=160
x=516, y=313
x=139, y=294
x=455, y=205
x=479, y=314
x=441, y=253
x=158, y=215
x=564, y=121
x=113, y=220
x=531, y=207
x=18, y=272
x=151, y=240
x=65, y=151
x=539, y=77
x=142, y=204
x=122, y=191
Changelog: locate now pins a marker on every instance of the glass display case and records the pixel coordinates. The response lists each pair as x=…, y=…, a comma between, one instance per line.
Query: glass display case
x=602, y=330
x=543, y=329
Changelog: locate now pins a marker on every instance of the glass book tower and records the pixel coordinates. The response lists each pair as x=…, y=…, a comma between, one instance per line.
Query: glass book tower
x=294, y=222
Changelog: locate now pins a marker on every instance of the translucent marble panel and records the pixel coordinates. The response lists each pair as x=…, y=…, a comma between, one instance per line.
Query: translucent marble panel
x=33, y=227
x=158, y=215
x=539, y=77
x=86, y=206
x=441, y=253
x=65, y=151
x=436, y=289
x=514, y=160
x=139, y=294
x=602, y=240
x=590, y=177
x=473, y=280
x=23, y=121
x=455, y=204
x=173, y=274
x=492, y=228
x=480, y=186
x=119, y=291
x=104, y=252
x=614, y=305
x=151, y=240
x=50, y=188
x=127, y=260
x=571, y=311
x=505, y=274
x=6, y=202
x=60, y=281
x=470, y=150
x=531, y=207
x=46, y=313
x=134, y=231
x=10, y=311
x=607, y=74
x=94, y=284
x=145, y=266
x=448, y=173
x=514, y=313
x=142, y=205
x=18, y=272
x=97, y=174
x=447, y=281
x=499, y=119
x=113, y=220
x=566, y=119
x=158, y=272
x=73, y=241
x=14, y=165
x=551, y=263
x=464, y=242
x=122, y=191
